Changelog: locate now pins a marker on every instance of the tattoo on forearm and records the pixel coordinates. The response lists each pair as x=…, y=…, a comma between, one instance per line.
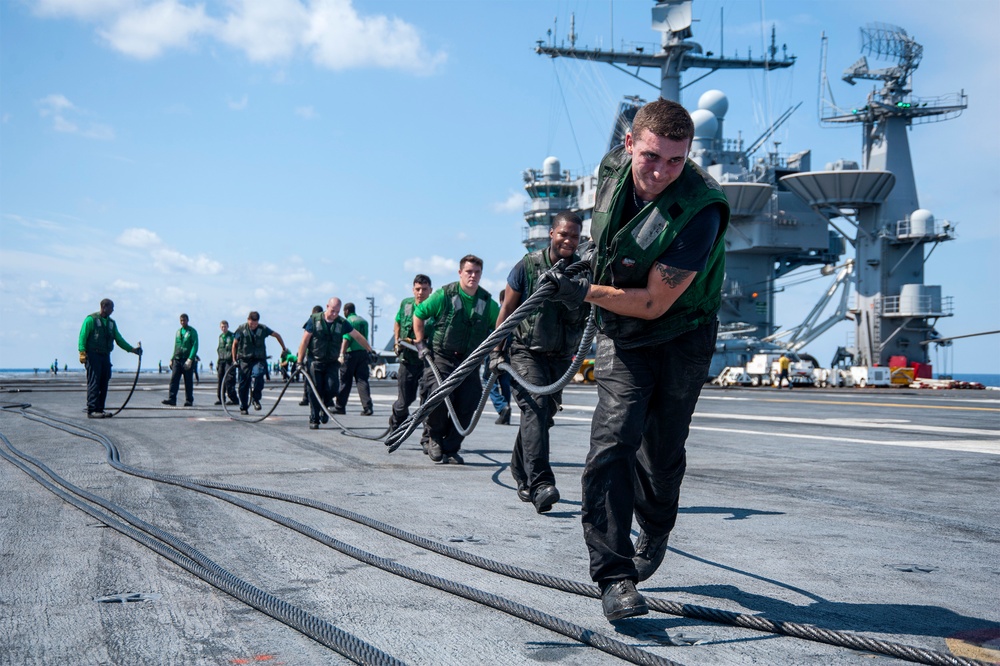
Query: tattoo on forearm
x=672, y=277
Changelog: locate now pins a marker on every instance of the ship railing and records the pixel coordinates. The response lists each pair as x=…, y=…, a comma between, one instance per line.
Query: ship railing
x=937, y=109
x=543, y=207
x=938, y=230
x=924, y=305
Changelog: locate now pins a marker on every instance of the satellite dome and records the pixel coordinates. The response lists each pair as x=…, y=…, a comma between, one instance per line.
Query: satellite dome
x=714, y=101
x=551, y=167
x=705, y=124
x=921, y=216
x=921, y=222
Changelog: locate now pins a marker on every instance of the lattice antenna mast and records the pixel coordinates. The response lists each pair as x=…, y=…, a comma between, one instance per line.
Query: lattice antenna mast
x=884, y=41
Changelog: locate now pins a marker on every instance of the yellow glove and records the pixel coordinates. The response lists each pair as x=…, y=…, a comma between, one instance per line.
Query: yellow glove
x=83, y=357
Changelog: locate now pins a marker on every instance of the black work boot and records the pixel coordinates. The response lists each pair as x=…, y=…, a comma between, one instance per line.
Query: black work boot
x=620, y=599
x=544, y=498
x=649, y=552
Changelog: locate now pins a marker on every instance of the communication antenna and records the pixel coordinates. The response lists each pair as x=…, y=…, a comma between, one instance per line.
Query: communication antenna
x=884, y=41
x=372, y=314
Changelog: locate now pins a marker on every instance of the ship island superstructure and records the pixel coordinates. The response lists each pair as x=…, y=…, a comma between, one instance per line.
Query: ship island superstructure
x=785, y=215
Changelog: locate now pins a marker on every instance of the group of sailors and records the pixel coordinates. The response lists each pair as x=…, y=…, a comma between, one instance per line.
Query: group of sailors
x=656, y=270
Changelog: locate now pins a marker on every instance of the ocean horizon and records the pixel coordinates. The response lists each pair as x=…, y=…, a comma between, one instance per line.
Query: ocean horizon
x=986, y=379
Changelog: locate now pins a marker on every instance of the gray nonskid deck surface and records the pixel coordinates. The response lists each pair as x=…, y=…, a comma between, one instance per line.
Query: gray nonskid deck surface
x=790, y=509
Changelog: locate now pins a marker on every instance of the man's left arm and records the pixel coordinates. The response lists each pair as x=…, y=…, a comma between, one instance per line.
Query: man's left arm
x=664, y=285
x=672, y=273
x=194, y=344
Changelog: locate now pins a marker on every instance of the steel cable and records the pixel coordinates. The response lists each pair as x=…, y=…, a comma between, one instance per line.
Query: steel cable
x=198, y=564
x=791, y=629
x=135, y=381
x=545, y=289
x=558, y=625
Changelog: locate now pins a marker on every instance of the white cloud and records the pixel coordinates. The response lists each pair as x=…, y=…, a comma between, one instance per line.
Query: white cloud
x=33, y=223
x=146, y=32
x=266, y=30
x=141, y=238
x=239, y=104
x=306, y=112
x=434, y=266
x=122, y=285
x=58, y=108
x=166, y=259
x=330, y=32
x=514, y=203
x=81, y=9
x=175, y=295
x=341, y=39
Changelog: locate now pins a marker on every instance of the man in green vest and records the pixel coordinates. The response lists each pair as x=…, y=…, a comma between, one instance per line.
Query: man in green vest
x=357, y=356
x=250, y=352
x=410, y=376
x=659, y=227
x=464, y=314
x=225, y=361
x=183, y=362
x=541, y=351
x=322, y=341
x=98, y=336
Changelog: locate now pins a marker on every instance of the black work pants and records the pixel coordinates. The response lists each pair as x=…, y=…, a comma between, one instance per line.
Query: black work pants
x=252, y=371
x=645, y=399
x=98, y=375
x=229, y=391
x=176, y=371
x=465, y=399
x=411, y=384
x=529, y=462
x=326, y=377
x=355, y=368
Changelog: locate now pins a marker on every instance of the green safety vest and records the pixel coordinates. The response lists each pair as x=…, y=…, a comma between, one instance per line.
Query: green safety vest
x=553, y=327
x=225, y=349
x=251, y=345
x=627, y=250
x=184, y=343
x=457, y=332
x=102, y=339
x=324, y=345
x=406, y=330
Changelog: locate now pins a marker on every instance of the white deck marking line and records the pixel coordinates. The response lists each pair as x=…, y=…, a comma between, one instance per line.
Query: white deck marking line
x=970, y=446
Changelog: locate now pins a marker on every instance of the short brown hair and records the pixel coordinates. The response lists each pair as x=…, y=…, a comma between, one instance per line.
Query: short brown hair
x=470, y=259
x=253, y=316
x=664, y=118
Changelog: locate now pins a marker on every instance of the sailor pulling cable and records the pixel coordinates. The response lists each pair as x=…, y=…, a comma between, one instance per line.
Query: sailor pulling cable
x=555, y=282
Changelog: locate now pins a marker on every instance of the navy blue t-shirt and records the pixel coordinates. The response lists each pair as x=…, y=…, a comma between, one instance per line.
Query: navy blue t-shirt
x=690, y=249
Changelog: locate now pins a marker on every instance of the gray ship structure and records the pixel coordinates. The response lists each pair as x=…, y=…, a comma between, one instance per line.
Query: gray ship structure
x=862, y=224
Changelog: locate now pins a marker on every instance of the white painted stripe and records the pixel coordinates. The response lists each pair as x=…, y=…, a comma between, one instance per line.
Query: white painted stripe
x=971, y=446
x=883, y=424
x=862, y=424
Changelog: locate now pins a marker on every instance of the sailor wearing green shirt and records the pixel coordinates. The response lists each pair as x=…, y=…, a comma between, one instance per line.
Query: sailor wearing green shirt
x=410, y=376
x=98, y=337
x=182, y=363
x=225, y=361
x=464, y=315
x=355, y=366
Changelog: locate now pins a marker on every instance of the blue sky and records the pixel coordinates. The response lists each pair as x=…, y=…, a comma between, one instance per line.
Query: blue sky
x=217, y=157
